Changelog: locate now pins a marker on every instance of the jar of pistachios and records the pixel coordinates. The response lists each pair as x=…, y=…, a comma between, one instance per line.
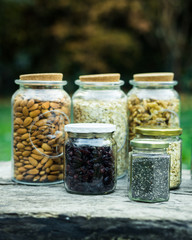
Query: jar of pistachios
x=40, y=109
x=153, y=102
x=100, y=99
x=172, y=136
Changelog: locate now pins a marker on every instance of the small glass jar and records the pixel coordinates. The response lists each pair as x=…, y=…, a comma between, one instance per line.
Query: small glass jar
x=149, y=171
x=90, y=158
x=100, y=99
x=153, y=102
x=40, y=109
x=171, y=136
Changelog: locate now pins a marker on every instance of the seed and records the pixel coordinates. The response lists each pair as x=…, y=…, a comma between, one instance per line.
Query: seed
x=26, y=153
x=42, y=173
x=48, y=164
x=43, y=178
x=29, y=166
x=34, y=113
x=33, y=161
x=22, y=169
x=25, y=111
x=18, y=121
x=34, y=107
x=38, y=151
x=37, y=157
x=55, y=167
x=25, y=136
x=46, y=147
x=27, y=121
x=39, y=166
x=19, y=177
x=21, y=130
x=20, y=145
x=30, y=103
x=52, y=178
x=33, y=171
x=36, y=178
x=29, y=177
x=18, y=164
x=45, y=105
x=41, y=122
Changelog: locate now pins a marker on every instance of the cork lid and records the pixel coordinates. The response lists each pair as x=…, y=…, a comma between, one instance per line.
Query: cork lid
x=42, y=77
x=108, y=77
x=154, y=77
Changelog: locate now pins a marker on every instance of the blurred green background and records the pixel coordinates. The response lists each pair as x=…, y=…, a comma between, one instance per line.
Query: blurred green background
x=95, y=36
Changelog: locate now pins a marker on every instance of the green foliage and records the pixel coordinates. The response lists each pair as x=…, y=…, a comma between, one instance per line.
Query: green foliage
x=81, y=37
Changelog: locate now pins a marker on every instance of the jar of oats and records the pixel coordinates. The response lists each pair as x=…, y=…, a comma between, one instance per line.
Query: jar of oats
x=172, y=137
x=40, y=109
x=153, y=101
x=100, y=99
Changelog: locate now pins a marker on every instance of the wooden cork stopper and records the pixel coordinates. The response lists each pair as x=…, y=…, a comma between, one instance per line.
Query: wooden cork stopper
x=42, y=77
x=154, y=77
x=108, y=77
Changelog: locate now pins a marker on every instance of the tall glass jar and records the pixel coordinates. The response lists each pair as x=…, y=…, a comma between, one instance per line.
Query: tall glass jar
x=90, y=158
x=172, y=137
x=100, y=99
x=149, y=171
x=153, y=102
x=40, y=109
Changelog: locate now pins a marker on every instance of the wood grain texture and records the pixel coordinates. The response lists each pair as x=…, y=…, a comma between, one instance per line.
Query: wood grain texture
x=92, y=217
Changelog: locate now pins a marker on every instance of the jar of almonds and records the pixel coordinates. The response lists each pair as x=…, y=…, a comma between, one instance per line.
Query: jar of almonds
x=100, y=99
x=40, y=109
x=153, y=102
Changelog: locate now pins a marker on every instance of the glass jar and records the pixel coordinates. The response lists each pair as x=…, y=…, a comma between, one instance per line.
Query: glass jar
x=149, y=171
x=172, y=136
x=153, y=102
x=40, y=109
x=90, y=158
x=99, y=99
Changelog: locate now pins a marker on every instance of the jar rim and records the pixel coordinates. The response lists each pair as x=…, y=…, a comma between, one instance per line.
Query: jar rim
x=34, y=82
x=152, y=84
x=158, y=131
x=149, y=143
x=99, y=84
x=90, y=128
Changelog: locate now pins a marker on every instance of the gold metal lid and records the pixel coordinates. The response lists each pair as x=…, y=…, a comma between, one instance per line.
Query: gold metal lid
x=149, y=143
x=42, y=77
x=154, y=77
x=108, y=77
x=158, y=131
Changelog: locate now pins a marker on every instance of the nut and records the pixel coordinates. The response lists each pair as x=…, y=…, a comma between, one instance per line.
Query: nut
x=38, y=138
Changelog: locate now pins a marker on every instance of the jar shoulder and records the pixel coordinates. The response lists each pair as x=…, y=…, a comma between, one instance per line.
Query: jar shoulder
x=99, y=94
x=154, y=93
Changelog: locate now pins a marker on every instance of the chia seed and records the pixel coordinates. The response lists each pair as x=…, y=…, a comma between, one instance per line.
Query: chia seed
x=149, y=177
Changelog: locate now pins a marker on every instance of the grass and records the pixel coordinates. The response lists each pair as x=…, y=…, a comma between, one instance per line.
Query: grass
x=186, y=124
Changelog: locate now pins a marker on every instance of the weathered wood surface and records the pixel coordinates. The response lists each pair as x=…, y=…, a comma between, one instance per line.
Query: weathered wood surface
x=49, y=212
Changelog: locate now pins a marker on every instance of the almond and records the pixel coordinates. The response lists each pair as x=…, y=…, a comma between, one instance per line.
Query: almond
x=41, y=122
x=28, y=166
x=18, y=164
x=43, y=178
x=20, y=145
x=33, y=171
x=37, y=157
x=27, y=121
x=34, y=114
x=30, y=103
x=33, y=161
x=34, y=107
x=38, y=151
x=48, y=164
x=45, y=105
x=26, y=153
x=19, y=177
x=52, y=178
x=29, y=177
x=25, y=111
x=21, y=130
x=36, y=178
x=25, y=136
x=22, y=169
x=46, y=147
x=18, y=121
x=55, y=167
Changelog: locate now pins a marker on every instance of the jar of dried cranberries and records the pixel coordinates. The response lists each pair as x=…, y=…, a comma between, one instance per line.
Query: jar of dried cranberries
x=90, y=158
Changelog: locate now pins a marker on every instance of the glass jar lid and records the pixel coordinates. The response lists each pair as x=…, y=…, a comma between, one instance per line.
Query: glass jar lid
x=90, y=128
x=149, y=143
x=158, y=131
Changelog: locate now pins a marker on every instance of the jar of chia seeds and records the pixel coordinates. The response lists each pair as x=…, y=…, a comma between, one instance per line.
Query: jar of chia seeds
x=100, y=99
x=153, y=101
x=40, y=109
x=149, y=166
x=90, y=158
x=172, y=136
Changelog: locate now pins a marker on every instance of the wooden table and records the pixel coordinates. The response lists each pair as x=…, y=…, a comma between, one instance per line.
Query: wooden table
x=49, y=212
